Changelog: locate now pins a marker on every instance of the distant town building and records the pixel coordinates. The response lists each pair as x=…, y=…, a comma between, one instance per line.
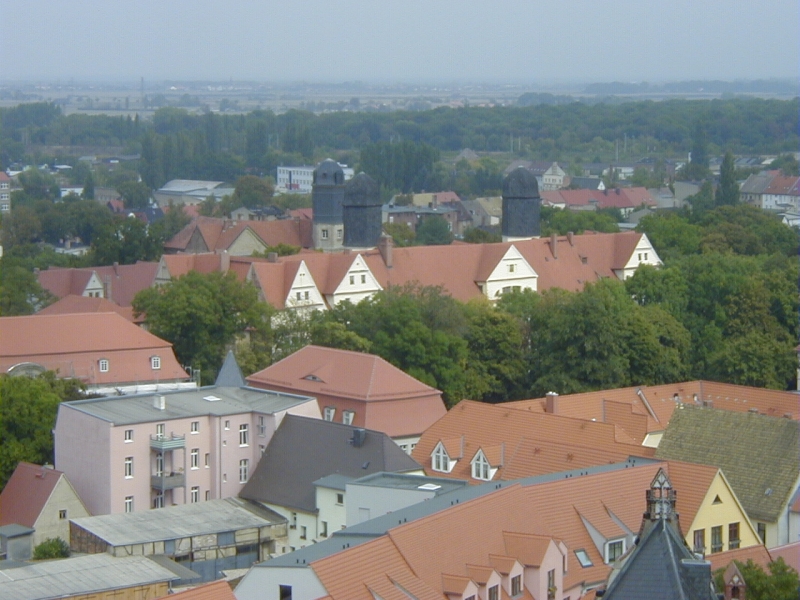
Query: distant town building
x=299, y=180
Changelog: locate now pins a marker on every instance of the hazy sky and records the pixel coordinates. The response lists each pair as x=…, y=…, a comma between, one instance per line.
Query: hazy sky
x=399, y=40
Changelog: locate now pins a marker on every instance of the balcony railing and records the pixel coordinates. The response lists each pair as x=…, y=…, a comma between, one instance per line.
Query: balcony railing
x=167, y=481
x=167, y=442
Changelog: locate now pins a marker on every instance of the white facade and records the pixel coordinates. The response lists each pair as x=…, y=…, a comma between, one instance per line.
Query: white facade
x=300, y=180
x=644, y=254
x=512, y=273
x=356, y=285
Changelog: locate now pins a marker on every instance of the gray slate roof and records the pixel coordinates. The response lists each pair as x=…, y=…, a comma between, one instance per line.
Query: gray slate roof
x=303, y=450
x=230, y=375
x=174, y=522
x=128, y=410
x=757, y=453
x=82, y=575
x=661, y=567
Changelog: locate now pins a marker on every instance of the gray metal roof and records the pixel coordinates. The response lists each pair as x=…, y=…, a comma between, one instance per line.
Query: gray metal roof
x=334, y=482
x=186, y=520
x=13, y=530
x=80, y=576
x=373, y=528
x=402, y=481
x=138, y=408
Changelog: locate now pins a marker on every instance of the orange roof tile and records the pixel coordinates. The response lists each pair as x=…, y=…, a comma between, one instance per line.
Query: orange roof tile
x=64, y=282
x=220, y=234
x=535, y=443
x=26, y=493
x=393, y=402
x=216, y=590
x=658, y=402
x=74, y=344
x=82, y=304
x=123, y=282
x=758, y=554
x=528, y=548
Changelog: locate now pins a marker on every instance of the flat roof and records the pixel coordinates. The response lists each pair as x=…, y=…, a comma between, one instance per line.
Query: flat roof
x=210, y=400
x=175, y=522
x=404, y=481
x=80, y=576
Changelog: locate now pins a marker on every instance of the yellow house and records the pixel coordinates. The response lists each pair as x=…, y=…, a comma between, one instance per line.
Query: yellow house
x=713, y=518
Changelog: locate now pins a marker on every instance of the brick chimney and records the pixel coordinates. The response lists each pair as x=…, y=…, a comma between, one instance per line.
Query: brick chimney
x=385, y=246
x=554, y=244
x=551, y=403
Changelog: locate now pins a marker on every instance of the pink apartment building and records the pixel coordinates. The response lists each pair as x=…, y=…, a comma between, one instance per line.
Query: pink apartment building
x=134, y=453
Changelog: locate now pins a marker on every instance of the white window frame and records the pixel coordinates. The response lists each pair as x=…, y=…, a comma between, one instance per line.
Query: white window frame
x=244, y=435
x=244, y=470
x=155, y=363
x=262, y=426
x=128, y=467
x=128, y=504
x=329, y=413
x=440, y=461
x=158, y=501
x=348, y=416
x=159, y=464
x=194, y=496
x=194, y=458
x=195, y=427
x=481, y=469
x=160, y=430
x=103, y=364
x=128, y=436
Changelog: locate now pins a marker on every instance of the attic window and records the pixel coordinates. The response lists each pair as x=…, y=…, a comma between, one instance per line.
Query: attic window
x=583, y=558
x=614, y=550
x=103, y=365
x=717, y=500
x=312, y=378
x=441, y=460
x=211, y=398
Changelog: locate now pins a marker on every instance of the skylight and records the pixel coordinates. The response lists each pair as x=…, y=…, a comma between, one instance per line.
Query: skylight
x=583, y=558
x=429, y=486
x=211, y=398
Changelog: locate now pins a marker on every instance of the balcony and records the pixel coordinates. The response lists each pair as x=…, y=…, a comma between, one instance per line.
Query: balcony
x=161, y=443
x=167, y=481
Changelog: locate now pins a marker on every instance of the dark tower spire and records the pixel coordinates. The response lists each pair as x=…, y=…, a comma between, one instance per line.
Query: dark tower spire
x=521, y=205
x=361, y=212
x=327, y=196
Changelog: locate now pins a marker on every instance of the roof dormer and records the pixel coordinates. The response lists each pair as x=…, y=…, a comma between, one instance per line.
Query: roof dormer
x=486, y=462
x=445, y=455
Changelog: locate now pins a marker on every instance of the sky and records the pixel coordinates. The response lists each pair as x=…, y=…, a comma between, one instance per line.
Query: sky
x=519, y=41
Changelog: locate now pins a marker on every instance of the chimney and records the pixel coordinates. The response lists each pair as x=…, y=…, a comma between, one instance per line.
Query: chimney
x=359, y=435
x=385, y=246
x=160, y=402
x=551, y=403
x=554, y=244
x=569, y=238
x=107, y=288
x=116, y=268
x=224, y=261
x=272, y=257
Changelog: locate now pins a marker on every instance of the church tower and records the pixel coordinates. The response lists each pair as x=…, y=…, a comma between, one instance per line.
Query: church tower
x=327, y=196
x=521, y=206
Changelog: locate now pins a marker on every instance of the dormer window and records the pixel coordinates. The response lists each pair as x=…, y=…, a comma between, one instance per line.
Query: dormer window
x=330, y=412
x=441, y=460
x=347, y=417
x=103, y=365
x=480, y=467
x=614, y=549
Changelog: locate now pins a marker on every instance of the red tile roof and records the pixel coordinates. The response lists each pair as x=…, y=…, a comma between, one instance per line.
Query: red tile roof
x=125, y=281
x=515, y=522
x=391, y=401
x=26, y=494
x=534, y=443
x=758, y=554
x=652, y=406
x=461, y=268
x=623, y=198
x=220, y=234
x=84, y=304
x=216, y=590
x=74, y=344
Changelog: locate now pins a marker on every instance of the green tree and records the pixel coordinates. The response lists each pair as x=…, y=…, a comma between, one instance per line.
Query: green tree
x=28, y=407
x=728, y=190
x=51, y=548
x=253, y=192
x=124, y=241
x=702, y=201
x=402, y=234
x=88, y=187
x=474, y=235
x=671, y=234
x=20, y=292
x=434, y=231
x=697, y=168
x=787, y=164
x=135, y=194
x=203, y=315
x=781, y=583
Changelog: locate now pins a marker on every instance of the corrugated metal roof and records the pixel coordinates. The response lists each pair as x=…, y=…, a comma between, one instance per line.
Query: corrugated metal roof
x=79, y=576
x=186, y=520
